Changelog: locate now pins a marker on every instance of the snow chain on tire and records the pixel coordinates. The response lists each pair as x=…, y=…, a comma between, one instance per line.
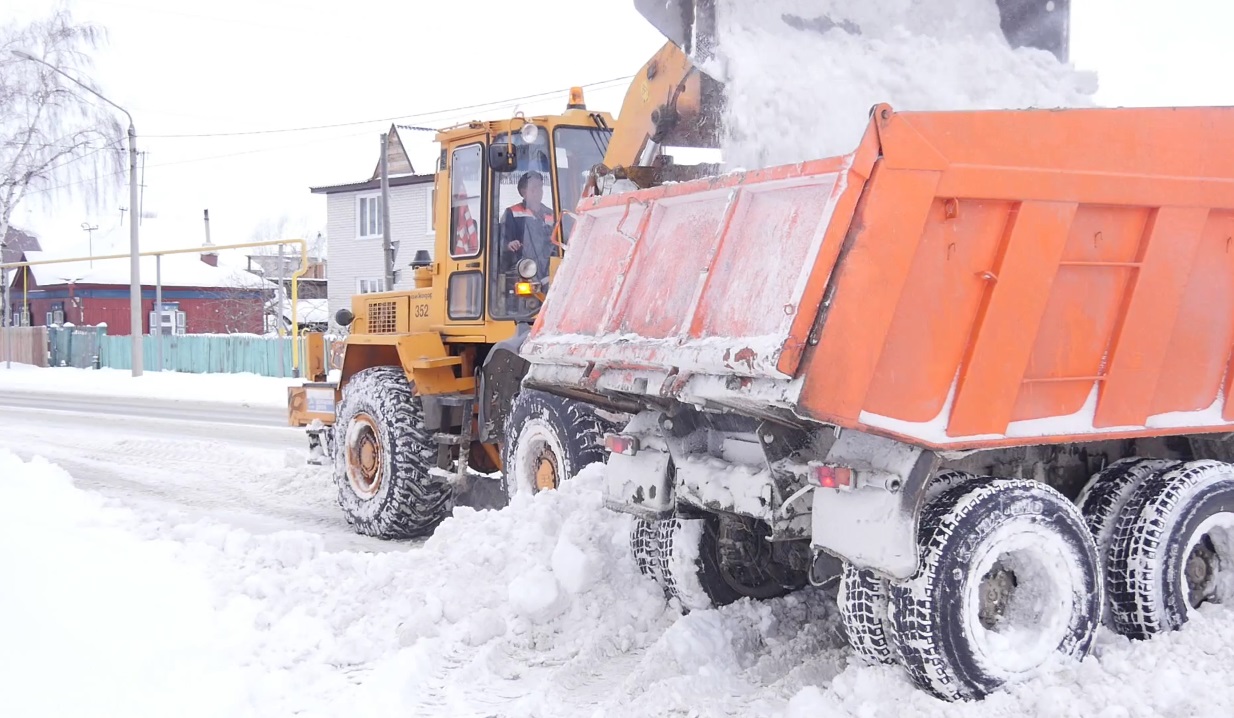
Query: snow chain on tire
x=862, y=597
x=684, y=557
x=1102, y=501
x=407, y=501
x=1024, y=537
x=1175, y=518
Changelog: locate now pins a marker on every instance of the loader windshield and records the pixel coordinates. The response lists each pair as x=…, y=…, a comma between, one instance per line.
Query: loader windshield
x=524, y=214
x=577, y=150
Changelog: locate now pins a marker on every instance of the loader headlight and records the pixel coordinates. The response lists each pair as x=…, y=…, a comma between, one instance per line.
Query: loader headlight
x=344, y=317
x=526, y=268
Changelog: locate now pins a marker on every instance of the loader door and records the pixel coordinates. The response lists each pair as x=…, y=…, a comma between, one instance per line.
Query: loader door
x=465, y=286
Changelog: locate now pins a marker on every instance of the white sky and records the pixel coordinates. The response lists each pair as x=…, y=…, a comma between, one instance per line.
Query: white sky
x=191, y=67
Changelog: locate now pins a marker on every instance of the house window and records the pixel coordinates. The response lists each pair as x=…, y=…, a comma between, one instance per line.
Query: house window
x=169, y=321
x=368, y=286
x=369, y=214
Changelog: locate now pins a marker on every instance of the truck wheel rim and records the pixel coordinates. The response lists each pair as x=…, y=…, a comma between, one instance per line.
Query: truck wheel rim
x=1207, y=574
x=1020, y=597
x=365, y=458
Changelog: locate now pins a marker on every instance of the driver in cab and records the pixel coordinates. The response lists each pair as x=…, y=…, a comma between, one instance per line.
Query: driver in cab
x=527, y=227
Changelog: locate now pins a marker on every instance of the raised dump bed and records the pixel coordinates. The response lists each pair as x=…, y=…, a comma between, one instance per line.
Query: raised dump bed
x=962, y=280
x=983, y=361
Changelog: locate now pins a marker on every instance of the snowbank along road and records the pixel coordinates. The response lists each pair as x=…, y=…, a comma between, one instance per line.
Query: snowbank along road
x=200, y=569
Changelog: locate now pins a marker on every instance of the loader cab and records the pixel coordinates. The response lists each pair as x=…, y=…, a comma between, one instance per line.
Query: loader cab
x=511, y=186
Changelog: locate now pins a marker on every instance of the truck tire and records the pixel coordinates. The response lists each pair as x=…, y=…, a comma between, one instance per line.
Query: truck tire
x=549, y=439
x=862, y=600
x=1008, y=581
x=863, y=596
x=710, y=562
x=1102, y=500
x=1173, y=549
x=383, y=457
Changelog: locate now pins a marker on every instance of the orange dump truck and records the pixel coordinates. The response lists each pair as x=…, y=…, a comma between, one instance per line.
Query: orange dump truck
x=973, y=374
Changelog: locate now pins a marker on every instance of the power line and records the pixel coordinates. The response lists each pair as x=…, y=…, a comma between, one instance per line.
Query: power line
x=420, y=115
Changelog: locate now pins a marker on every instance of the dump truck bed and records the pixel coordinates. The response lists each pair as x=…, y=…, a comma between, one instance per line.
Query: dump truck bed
x=962, y=280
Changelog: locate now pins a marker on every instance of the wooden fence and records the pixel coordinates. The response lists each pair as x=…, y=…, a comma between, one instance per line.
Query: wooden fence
x=26, y=345
x=205, y=353
x=91, y=347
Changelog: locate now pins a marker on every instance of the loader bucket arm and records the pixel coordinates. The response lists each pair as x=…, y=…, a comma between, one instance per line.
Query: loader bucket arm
x=690, y=24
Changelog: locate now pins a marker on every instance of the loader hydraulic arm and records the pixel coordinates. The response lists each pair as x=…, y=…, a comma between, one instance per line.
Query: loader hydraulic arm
x=669, y=103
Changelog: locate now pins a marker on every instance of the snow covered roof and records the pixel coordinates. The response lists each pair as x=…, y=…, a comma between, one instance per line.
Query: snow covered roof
x=178, y=270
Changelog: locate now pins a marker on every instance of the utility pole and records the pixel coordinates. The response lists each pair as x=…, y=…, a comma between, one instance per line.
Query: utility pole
x=387, y=250
x=90, y=232
x=281, y=307
x=134, y=251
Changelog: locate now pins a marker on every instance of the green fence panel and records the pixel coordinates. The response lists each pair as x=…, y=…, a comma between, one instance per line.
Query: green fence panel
x=202, y=353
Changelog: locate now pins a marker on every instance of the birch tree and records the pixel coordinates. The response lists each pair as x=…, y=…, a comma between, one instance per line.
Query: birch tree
x=55, y=138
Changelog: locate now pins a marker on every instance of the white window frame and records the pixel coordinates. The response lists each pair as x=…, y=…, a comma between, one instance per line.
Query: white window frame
x=429, y=216
x=362, y=199
x=369, y=285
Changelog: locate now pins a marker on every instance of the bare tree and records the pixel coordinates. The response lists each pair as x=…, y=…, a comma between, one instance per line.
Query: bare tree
x=54, y=136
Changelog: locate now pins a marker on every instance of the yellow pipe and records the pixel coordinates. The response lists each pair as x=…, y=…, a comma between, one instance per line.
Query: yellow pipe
x=295, y=332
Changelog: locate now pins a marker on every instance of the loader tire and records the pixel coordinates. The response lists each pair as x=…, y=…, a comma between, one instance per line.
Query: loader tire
x=1008, y=581
x=709, y=562
x=1173, y=549
x=549, y=439
x=1102, y=500
x=383, y=459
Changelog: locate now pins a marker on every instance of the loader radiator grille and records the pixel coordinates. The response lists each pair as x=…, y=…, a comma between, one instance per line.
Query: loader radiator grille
x=381, y=318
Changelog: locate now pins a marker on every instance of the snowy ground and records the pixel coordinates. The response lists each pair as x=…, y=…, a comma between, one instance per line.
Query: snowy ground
x=152, y=568
x=242, y=389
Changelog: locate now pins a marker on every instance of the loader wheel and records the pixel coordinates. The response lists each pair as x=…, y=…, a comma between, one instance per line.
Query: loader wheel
x=713, y=561
x=549, y=439
x=1008, y=582
x=1173, y=549
x=1103, y=499
x=383, y=457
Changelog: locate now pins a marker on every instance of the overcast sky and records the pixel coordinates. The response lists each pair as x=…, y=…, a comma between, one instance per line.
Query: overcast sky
x=186, y=67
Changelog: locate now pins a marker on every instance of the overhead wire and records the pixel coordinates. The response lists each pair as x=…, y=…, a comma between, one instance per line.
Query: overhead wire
x=412, y=116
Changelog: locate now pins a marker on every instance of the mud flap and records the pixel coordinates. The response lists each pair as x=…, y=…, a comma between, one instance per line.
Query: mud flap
x=642, y=484
x=500, y=379
x=874, y=526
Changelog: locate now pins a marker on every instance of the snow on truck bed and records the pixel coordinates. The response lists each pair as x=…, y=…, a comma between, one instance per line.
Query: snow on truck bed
x=242, y=389
x=535, y=610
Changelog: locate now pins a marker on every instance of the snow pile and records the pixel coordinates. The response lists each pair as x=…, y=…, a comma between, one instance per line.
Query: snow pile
x=242, y=389
x=802, y=75
x=535, y=610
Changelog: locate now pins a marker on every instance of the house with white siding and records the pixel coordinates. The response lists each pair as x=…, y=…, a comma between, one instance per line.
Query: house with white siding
x=353, y=224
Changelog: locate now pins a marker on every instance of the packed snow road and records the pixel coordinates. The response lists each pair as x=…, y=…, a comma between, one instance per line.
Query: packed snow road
x=234, y=463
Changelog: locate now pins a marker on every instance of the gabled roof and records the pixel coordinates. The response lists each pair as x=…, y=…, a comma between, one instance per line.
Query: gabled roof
x=399, y=168
x=398, y=162
x=16, y=242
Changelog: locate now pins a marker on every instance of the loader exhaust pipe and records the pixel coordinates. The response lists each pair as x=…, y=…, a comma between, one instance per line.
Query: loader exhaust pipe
x=691, y=24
